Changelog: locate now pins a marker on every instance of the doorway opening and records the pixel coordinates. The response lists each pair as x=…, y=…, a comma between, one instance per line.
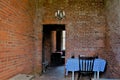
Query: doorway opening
x=53, y=47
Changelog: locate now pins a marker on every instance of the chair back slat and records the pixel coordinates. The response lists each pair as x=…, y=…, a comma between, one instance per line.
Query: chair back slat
x=86, y=64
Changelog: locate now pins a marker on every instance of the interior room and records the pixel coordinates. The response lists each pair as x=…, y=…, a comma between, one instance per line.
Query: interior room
x=53, y=44
x=47, y=39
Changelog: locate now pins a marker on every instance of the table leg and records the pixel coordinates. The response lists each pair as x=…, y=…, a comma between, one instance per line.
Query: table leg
x=72, y=75
x=98, y=75
x=95, y=75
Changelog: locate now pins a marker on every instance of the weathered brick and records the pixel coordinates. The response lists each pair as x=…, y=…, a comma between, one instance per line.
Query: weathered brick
x=88, y=32
x=16, y=38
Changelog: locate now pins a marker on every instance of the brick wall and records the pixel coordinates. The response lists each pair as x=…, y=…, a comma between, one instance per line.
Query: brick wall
x=87, y=32
x=47, y=45
x=113, y=38
x=84, y=21
x=16, y=37
x=85, y=25
x=38, y=34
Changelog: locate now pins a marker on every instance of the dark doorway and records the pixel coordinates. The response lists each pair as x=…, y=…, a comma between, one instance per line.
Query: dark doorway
x=53, y=44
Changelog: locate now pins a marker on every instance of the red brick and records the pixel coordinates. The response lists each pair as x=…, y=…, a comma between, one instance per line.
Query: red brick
x=16, y=38
x=86, y=27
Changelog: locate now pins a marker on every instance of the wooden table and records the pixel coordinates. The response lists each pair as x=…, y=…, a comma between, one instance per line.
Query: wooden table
x=72, y=65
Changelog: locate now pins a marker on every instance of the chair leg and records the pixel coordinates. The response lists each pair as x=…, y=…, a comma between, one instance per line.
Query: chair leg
x=90, y=76
x=78, y=76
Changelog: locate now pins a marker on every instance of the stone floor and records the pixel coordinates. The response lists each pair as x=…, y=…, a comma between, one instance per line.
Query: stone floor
x=22, y=77
x=56, y=73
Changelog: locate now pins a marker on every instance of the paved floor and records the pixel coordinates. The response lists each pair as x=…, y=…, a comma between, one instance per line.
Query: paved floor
x=52, y=73
x=56, y=73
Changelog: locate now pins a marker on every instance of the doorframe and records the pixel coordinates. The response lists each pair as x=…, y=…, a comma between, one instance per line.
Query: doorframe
x=50, y=25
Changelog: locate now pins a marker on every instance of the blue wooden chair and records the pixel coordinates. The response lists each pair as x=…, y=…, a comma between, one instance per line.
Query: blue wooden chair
x=86, y=67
